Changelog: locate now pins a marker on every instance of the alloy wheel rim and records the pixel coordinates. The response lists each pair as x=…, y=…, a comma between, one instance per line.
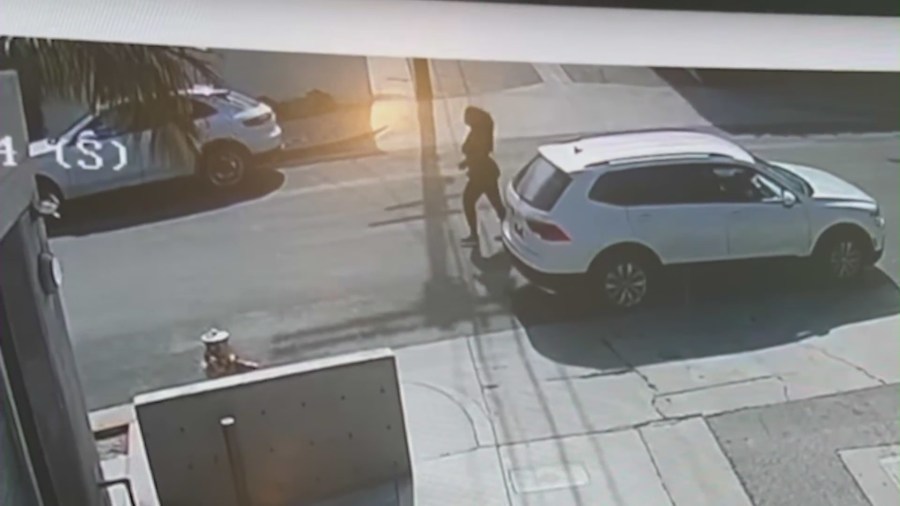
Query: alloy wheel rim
x=846, y=259
x=626, y=284
x=227, y=169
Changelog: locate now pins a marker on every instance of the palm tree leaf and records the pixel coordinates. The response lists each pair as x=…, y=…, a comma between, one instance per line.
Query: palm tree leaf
x=147, y=78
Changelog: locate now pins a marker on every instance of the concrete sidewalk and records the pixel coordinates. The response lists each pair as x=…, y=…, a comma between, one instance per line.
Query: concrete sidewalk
x=495, y=421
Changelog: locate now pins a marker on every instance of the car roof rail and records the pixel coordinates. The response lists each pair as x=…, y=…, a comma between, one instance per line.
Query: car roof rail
x=587, y=136
x=647, y=130
x=673, y=157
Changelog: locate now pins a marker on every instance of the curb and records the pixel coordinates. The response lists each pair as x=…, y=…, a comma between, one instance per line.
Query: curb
x=113, y=421
x=349, y=144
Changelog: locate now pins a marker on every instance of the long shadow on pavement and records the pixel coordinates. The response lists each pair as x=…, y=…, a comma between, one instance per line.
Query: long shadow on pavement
x=722, y=310
x=711, y=311
x=446, y=301
x=445, y=296
x=154, y=203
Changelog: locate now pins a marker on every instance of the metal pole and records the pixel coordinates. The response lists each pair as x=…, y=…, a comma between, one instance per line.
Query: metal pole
x=235, y=461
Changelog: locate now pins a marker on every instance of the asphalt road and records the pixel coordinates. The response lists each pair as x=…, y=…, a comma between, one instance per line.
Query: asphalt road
x=347, y=254
x=789, y=454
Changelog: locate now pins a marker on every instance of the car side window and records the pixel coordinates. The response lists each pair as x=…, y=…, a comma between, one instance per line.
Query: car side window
x=741, y=184
x=122, y=120
x=691, y=184
x=106, y=125
x=627, y=187
x=660, y=185
x=200, y=110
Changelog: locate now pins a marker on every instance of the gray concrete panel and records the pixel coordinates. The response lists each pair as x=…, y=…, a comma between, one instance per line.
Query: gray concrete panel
x=305, y=432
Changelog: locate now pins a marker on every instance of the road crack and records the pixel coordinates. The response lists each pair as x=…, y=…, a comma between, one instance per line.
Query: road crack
x=662, y=482
x=719, y=385
x=660, y=396
x=601, y=432
x=457, y=453
x=784, y=388
x=848, y=363
x=646, y=379
x=456, y=402
x=590, y=375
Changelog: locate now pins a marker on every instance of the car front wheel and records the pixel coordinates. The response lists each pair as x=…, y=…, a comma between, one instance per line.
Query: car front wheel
x=623, y=281
x=843, y=257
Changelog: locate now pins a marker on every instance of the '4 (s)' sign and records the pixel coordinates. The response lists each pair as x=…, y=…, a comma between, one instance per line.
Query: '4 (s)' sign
x=88, y=150
x=86, y=155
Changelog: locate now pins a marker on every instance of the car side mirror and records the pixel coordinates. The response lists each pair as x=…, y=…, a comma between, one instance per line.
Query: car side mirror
x=87, y=133
x=788, y=198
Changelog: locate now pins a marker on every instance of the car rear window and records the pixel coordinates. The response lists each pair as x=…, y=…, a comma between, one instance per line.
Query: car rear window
x=238, y=100
x=541, y=184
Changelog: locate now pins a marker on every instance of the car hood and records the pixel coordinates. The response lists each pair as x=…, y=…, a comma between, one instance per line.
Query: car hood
x=827, y=186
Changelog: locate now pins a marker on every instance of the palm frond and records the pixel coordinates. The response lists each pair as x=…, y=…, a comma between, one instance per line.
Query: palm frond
x=147, y=78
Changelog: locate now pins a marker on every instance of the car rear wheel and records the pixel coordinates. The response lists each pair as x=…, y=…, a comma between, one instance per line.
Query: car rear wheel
x=225, y=166
x=624, y=280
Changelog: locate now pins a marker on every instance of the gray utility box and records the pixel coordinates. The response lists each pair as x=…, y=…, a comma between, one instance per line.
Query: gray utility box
x=330, y=431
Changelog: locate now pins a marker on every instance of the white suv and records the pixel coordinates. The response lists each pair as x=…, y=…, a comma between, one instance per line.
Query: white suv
x=616, y=207
x=95, y=155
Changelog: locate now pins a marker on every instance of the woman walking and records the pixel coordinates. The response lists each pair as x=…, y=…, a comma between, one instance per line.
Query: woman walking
x=483, y=172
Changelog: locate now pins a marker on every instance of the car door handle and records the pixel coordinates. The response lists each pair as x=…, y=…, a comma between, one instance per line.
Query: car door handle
x=643, y=216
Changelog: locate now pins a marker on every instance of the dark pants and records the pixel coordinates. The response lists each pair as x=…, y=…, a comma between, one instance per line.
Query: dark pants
x=475, y=188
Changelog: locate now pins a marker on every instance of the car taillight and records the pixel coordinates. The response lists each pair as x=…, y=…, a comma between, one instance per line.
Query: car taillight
x=548, y=231
x=258, y=120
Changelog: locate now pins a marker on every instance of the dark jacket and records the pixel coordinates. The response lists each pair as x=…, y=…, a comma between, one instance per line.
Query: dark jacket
x=477, y=149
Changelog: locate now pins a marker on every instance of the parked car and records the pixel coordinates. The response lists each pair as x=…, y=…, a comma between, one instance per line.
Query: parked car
x=234, y=131
x=613, y=209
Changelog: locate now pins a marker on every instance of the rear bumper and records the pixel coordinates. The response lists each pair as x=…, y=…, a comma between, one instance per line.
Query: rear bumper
x=263, y=142
x=549, y=281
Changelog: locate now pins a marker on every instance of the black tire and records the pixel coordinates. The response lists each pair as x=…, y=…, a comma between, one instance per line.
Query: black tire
x=624, y=280
x=224, y=166
x=842, y=257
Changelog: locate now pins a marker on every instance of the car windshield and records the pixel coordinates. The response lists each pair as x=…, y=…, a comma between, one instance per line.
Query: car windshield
x=71, y=126
x=796, y=183
x=235, y=99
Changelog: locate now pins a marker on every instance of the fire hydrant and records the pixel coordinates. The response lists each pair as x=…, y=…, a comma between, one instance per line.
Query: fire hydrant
x=219, y=359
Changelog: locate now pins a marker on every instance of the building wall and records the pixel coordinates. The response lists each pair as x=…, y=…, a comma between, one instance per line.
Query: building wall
x=36, y=351
x=59, y=114
x=280, y=76
x=283, y=76
x=17, y=487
